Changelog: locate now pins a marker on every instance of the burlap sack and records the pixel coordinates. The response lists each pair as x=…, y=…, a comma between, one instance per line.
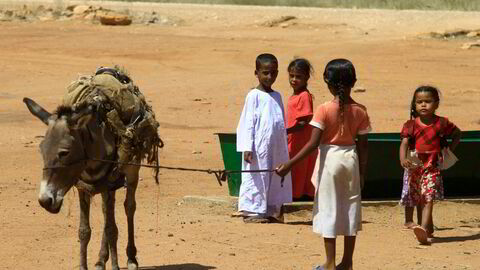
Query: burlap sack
x=126, y=109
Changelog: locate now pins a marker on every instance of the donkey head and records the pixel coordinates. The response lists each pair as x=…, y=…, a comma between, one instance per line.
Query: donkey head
x=63, y=150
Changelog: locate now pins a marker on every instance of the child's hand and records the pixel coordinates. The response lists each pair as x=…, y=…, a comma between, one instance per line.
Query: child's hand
x=407, y=164
x=283, y=169
x=247, y=156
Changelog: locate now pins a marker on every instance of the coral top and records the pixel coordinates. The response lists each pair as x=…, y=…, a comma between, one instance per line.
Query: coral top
x=299, y=106
x=327, y=118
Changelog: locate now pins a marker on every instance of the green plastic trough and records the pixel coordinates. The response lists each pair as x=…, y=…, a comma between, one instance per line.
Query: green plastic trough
x=384, y=176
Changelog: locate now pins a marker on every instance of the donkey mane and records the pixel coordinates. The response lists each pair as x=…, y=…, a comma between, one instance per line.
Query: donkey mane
x=67, y=111
x=63, y=110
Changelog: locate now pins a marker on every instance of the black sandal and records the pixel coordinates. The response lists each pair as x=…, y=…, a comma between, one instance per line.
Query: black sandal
x=256, y=219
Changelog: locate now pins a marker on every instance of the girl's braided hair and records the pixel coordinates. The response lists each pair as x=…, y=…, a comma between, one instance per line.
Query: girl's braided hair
x=340, y=76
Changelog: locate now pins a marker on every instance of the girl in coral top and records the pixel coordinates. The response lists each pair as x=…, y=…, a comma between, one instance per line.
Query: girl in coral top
x=342, y=163
x=299, y=114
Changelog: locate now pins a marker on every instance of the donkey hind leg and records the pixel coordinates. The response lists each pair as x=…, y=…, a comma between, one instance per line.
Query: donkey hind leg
x=84, y=230
x=110, y=233
x=130, y=207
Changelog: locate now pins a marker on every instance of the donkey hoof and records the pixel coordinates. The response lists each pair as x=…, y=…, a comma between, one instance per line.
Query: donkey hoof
x=132, y=264
x=99, y=266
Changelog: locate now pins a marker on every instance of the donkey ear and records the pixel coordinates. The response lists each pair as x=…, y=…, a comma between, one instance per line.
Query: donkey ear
x=37, y=110
x=81, y=118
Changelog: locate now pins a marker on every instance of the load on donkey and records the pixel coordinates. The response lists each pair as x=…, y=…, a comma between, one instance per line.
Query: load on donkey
x=93, y=140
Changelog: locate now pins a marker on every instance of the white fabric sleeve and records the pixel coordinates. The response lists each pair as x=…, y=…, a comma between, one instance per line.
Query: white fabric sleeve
x=246, y=125
x=365, y=131
x=317, y=125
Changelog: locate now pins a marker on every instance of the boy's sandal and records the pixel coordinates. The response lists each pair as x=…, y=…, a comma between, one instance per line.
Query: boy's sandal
x=276, y=220
x=318, y=267
x=421, y=235
x=238, y=214
x=256, y=219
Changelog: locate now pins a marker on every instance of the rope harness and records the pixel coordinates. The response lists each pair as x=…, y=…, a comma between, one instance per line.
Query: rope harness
x=221, y=175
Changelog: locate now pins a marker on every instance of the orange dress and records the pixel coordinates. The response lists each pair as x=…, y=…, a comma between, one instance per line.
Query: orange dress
x=337, y=208
x=299, y=106
x=356, y=122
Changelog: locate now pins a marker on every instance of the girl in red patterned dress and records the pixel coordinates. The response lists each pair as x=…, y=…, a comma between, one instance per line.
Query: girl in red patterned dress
x=299, y=114
x=426, y=133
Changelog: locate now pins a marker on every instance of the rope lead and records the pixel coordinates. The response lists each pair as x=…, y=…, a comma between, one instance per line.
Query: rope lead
x=221, y=175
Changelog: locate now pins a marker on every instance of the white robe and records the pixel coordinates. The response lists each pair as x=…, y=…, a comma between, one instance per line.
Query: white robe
x=261, y=129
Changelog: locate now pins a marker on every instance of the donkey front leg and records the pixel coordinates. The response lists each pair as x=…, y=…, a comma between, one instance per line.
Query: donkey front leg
x=103, y=253
x=84, y=230
x=110, y=233
x=130, y=207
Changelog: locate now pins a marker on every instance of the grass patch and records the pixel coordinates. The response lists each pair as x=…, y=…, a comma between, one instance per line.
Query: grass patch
x=464, y=5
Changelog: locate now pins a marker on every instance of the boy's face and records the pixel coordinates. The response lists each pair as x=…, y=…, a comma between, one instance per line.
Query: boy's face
x=267, y=73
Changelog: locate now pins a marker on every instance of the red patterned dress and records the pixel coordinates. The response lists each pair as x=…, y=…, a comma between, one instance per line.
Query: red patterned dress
x=425, y=183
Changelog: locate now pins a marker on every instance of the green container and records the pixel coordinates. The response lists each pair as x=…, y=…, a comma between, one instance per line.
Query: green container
x=384, y=173
x=232, y=161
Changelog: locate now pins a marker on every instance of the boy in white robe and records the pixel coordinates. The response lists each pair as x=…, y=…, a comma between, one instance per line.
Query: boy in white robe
x=262, y=138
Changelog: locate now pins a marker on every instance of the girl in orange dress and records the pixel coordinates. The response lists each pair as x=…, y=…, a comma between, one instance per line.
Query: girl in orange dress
x=299, y=114
x=342, y=163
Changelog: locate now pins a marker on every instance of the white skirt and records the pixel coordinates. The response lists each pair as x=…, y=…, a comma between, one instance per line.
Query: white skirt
x=337, y=208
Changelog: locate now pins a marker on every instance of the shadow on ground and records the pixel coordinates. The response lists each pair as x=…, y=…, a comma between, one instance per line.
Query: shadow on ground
x=299, y=223
x=457, y=238
x=184, y=266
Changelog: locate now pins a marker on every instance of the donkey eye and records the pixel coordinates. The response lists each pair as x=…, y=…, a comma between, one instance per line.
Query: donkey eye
x=63, y=153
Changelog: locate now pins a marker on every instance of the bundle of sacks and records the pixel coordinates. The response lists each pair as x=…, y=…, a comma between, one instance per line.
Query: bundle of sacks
x=124, y=110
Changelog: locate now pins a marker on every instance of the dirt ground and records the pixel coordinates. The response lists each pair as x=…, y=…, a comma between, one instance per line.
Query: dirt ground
x=196, y=73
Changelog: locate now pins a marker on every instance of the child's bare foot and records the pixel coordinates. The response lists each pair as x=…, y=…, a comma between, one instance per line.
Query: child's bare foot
x=409, y=225
x=430, y=229
x=322, y=267
x=326, y=266
x=430, y=240
x=421, y=235
x=345, y=266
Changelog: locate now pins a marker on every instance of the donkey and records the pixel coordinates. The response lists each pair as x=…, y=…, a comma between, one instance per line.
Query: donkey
x=74, y=142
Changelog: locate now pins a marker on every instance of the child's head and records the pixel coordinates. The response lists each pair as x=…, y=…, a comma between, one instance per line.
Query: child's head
x=340, y=77
x=425, y=101
x=299, y=71
x=266, y=69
